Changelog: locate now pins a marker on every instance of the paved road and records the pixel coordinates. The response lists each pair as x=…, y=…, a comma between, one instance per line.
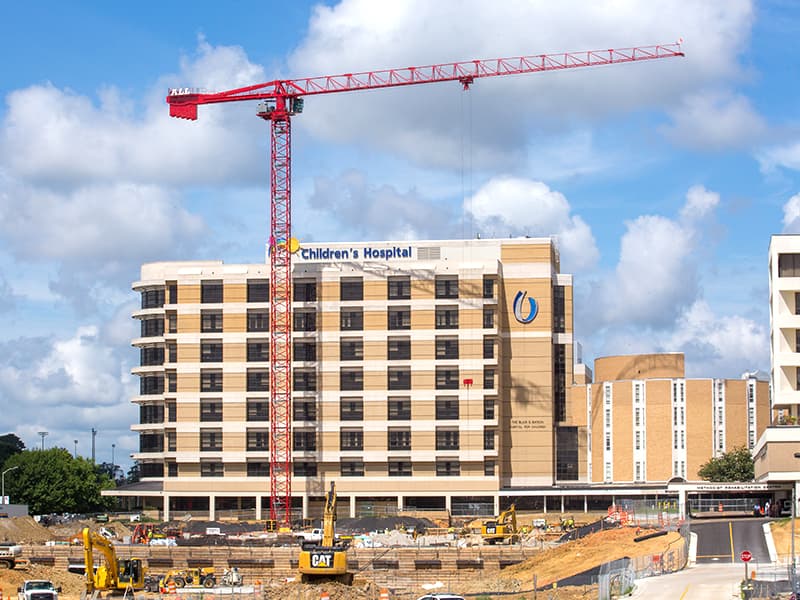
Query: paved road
x=702, y=582
x=723, y=540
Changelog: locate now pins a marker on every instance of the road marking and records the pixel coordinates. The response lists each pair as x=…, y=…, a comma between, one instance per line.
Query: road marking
x=730, y=529
x=683, y=595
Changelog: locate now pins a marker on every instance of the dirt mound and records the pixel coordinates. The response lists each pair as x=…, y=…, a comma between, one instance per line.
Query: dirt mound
x=71, y=584
x=336, y=591
x=23, y=530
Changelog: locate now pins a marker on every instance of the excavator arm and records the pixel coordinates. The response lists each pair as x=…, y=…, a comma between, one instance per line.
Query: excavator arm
x=329, y=518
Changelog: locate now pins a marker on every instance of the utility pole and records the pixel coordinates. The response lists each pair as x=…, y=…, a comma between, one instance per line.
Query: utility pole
x=94, y=433
x=43, y=434
x=75, y=455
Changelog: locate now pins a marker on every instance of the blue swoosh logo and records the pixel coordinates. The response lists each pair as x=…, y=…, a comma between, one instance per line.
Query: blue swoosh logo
x=519, y=300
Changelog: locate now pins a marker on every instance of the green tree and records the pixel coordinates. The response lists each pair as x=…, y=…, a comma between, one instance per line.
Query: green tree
x=736, y=465
x=10, y=444
x=53, y=481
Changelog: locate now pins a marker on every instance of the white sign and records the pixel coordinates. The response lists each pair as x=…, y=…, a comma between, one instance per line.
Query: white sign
x=4, y=500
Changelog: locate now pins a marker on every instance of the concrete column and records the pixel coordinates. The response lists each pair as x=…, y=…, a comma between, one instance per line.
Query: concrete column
x=212, y=508
x=562, y=504
x=305, y=506
x=399, y=503
x=165, y=512
x=682, y=497
x=497, y=505
x=353, y=506
x=448, y=502
x=258, y=508
x=585, y=504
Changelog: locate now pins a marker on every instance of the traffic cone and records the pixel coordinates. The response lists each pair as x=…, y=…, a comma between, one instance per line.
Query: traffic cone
x=384, y=595
x=324, y=596
x=171, y=587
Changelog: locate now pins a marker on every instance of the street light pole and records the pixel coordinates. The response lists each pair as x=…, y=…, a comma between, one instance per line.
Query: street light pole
x=76, y=449
x=3, y=483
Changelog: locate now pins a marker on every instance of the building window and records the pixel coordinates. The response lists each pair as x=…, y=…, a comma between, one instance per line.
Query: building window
x=258, y=290
x=304, y=380
x=305, y=290
x=608, y=440
x=172, y=288
x=304, y=351
x=447, y=408
x=351, y=379
x=172, y=381
x=399, y=317
x=257, y=380
x=257, y=320
x=211, y=292
x=304, y=410
x=488, y=439
x=305, y=440
x=257, y=440
x=210, y=410
x=399, y=288
x=172, y=412
x=351, y=409
x=399, y=378
x=489, y=378
x=257, y=351
x=351, y=439
x=152, y=327
x=488, y=468
x=399, y=409
x=351, y=288
x=304, y=320
x=559, y=382
x=210, y=381
x=210, y=440
x=448, y=468
x=398, y=439
x=257, y=410
x=488, y=287
x=488, y=347
x=210, y=351
x=211, y=321
x=446, y=439
x=151, y=357
x=153, y=298
x=302, y=468
x=789, y=265
x=446, y=287
x=559, y=310
x=446, y=347
x=398, y=349
x=446, y=378
x=151, y=442
x=351, y=319
x=257, y=469
x=488, y=318
x=351, y=349
x=172, y=322
x=351, y=468
x=488, y=409
x=797, y=303
x=172, y=352
x=172, y=440
x=212, y=469
x=446, y=318
x=399, y=468
x=172, y=469
x=638, y=440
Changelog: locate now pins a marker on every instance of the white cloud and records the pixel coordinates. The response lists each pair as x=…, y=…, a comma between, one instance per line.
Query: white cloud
x=713, y=120
x=656, y=277
x=784, y=155
x=57, y=136
x=791, y=215
x=514, y=206
x=354, y=36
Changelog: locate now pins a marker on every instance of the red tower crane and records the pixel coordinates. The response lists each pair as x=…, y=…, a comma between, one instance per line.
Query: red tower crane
x=281, y=100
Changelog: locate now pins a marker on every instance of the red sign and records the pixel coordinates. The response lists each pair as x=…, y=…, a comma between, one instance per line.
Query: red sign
x=746, y=556
x=468, y=382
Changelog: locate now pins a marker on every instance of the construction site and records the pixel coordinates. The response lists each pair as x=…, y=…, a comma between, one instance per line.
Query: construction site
x=404, y=558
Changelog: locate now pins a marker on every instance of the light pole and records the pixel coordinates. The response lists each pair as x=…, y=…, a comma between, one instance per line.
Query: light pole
x=44, y=434
x=76, y=449
x=3, y=483
x=113, y=464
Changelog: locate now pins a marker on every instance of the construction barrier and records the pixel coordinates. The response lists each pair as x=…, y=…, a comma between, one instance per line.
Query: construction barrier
x=171, y=587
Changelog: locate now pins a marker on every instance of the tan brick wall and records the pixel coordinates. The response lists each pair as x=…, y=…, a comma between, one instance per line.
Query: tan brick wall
x=659, y=430
x=638, y=366
x=699, y=421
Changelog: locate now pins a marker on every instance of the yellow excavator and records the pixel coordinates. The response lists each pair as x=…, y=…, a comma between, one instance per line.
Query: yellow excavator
x=116, y=574
x=503, y=529
x=326, y=560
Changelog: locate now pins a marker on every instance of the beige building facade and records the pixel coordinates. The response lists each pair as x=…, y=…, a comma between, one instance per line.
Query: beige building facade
x=427, y=375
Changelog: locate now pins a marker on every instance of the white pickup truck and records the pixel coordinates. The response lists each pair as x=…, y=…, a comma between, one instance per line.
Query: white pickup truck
x=309, y=537
x=38, y=589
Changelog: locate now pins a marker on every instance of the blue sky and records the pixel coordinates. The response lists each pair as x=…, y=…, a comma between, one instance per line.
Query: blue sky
x=662, y=181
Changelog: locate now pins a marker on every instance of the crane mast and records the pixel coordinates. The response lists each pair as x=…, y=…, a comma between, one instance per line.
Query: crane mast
x=282, y=99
